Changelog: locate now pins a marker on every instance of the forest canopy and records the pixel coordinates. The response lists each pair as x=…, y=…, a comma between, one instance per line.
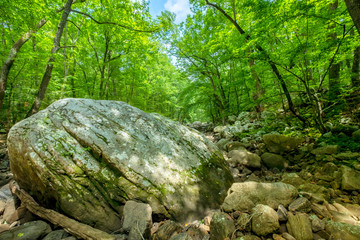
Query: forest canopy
x=298, y=58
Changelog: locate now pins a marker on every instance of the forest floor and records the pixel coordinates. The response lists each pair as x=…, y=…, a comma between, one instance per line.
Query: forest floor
x=317, y=172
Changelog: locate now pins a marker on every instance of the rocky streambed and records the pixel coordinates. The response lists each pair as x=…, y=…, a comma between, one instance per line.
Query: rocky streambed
x=283, y=187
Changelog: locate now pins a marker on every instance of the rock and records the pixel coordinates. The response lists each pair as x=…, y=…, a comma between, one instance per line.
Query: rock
x=354, y=209
x=264, y=220
x=287, y=236
x=28, y=231
x=56, y=235
x=181, y=236
x=317, y=193
x=236, y=146
x=342, y=231
x=137, y=220
x=326, y=150
x=300, y=205
x=350, y=179
x=317, y=224
x=282, y=213
x=277, y=237
x=272, y=160
x=219, y=129
x=347, y=156
x=4, y=227
x=245, y=196
x=248, y=237
x=293, y=179
x=277, y=143
x=90, y=157
x=246, y=158
x=243, y=223
x=10, y=211
x=167, y=230
x=221, y=226
x=299, y=226
x=222, y=143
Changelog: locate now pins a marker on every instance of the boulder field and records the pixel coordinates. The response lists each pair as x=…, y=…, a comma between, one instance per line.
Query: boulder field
x=87, y=158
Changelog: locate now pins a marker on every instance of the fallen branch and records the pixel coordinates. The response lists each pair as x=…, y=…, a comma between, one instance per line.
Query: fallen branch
x=75, y=228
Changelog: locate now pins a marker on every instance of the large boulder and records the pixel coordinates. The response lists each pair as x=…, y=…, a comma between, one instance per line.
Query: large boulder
x=88, y=158
x=277, y=143
x=245, y=196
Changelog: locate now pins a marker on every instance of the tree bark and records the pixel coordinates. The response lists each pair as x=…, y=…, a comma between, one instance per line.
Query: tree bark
x=5, y=70
x=353, y=7
x=355, y=81
x=50, y=65
x=334, y=71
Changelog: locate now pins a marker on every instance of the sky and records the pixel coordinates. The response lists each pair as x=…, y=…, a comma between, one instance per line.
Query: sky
x=180, y=7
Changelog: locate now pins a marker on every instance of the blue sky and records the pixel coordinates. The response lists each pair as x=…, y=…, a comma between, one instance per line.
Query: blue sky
x=180, y=7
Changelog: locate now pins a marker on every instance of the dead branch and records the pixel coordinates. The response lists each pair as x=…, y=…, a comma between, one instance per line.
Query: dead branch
x=72, y=226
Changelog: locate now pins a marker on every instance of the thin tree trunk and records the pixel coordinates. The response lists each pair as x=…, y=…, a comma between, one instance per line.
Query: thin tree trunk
x=50, y=65
x=334, y=71
x=5, y=70
x=355, y=82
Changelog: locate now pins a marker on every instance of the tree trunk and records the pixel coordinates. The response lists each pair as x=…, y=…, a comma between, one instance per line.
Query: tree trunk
x=355, y=81
x=353, y=7
x=50, y=65
x=5, y=70
x=334, y=71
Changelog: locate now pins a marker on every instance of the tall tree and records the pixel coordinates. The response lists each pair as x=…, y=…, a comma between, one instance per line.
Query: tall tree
x=353, y=7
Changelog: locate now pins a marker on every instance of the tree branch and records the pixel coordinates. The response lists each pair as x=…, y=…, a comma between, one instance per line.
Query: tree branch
x=112, y=23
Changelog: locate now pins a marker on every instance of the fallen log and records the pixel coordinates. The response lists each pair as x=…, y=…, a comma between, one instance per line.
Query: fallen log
x=72, y=226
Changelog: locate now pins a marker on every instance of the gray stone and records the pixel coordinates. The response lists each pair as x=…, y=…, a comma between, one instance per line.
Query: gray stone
x=277, y=143
x=326, y=150
x=317, y=224
x=244, y=157
x=93, y=156
x=222, y=143
x=248, y=237
x=282, y=213
x=293, y=179
x=264, y=220
x=236, y=146
x=167, y=230
x=343, y=231
x=299, y=226
x=221, y=226
x=181, y=236
x=28, y=231
x=272, y=160
x=56, y=235
x=245, y=196
x=300, y=205
x=137, y=220
x=350, y=179
x=287, y=236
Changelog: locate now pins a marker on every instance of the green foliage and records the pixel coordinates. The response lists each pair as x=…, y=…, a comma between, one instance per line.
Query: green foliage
x=345, y=142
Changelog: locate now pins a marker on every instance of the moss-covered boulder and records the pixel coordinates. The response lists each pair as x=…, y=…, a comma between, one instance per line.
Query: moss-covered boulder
x=277, y=143
x=87, y=158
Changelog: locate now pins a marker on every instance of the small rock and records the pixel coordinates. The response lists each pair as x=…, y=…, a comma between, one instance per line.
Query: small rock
x=293, y=179
x=277, y=237
x=287, y=236
x=350, y=179
x=277, y=143
x=264, y=220
x=347, y=156
x=181, y=236
x=167, y=230
x=137, y=220
x=299, y=226
x=28, y=231
x=300, y=205
x=10, y=211
x=243, y=222
x=248, y=237
x=272, y=160
x=282, y=213
x=56, y=235
x=221, y=226
x=235, y=146
x=221, y=143
x=317, y=224
x=246, y=158
x=326, y=150
x=4, y=227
